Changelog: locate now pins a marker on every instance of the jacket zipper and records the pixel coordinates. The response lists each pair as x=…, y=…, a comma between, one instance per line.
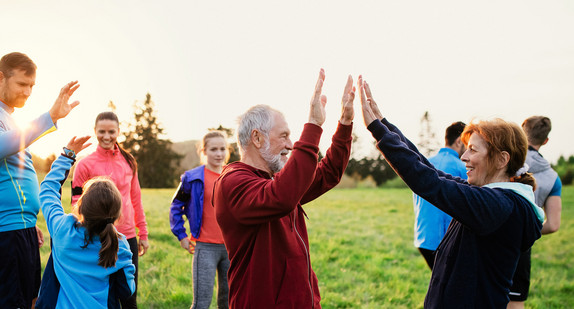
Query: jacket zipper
x=308, y=262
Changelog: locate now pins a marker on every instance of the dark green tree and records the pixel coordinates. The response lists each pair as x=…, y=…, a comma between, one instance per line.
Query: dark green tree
x=565, y=169
x=157, y=162
x=377, y=168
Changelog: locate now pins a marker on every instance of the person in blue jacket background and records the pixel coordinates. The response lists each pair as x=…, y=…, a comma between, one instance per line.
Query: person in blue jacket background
x=91, y=262
x=193, y=200
x=431, y=223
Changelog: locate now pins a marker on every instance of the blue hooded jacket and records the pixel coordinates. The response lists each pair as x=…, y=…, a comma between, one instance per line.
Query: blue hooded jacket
x=188, y=201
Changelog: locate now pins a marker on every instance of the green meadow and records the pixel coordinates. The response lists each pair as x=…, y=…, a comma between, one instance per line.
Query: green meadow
x=361, y=251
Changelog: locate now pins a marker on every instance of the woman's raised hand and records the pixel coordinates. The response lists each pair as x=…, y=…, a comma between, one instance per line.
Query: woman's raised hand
x=369, y=107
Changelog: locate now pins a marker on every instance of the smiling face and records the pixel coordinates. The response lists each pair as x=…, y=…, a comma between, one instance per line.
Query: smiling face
x=15, y=90
x=107, y=133
x=215, y=150
x=476, y=160
x=277, y=146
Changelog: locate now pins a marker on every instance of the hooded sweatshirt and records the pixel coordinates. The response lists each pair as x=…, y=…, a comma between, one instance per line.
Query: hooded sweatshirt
x=263, y=223
x=544, y=174
x=491, y=227
x=72, y=277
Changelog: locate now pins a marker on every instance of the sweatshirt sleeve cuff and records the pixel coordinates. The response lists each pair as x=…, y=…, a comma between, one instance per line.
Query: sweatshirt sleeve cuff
x=311, y=134
x=377, y=129
x=181, y=236
x=47, y=123
x=344, y=131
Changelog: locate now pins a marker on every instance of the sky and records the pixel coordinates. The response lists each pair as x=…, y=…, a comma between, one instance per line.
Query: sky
x=206, y=62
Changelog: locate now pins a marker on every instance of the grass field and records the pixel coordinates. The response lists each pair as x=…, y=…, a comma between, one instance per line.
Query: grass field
x=361, y=250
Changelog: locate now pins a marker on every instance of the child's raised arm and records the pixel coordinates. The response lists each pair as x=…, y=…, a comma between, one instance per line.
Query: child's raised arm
x=51, y=187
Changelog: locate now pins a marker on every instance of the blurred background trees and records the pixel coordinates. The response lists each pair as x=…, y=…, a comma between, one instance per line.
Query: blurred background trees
x=157, y=161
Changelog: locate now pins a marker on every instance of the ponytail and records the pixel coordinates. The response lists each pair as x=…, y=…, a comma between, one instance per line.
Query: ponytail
x=525, y=178
x=98, y=208
x=129, y=158
x=109, y=251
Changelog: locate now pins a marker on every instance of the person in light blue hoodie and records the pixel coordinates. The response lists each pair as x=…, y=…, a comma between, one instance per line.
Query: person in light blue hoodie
x=91, y=262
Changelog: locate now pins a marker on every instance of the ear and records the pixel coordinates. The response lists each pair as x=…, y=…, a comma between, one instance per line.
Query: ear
x=257, y=139
x=545, y=141
x=458, y=142
x=503, y=159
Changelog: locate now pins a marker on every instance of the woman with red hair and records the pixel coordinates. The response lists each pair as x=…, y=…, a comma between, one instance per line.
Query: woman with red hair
x=495, y=217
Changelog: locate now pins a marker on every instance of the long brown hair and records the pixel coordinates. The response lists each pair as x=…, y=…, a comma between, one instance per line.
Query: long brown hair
x=98, y=208
x=127, y=156
x=502, y=136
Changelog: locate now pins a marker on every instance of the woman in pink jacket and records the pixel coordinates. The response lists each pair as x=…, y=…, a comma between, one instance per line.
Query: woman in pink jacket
x=111, y=160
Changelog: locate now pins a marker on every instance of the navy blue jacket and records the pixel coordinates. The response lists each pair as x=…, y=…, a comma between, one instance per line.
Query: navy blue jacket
x=477, y=257
x=188, y=201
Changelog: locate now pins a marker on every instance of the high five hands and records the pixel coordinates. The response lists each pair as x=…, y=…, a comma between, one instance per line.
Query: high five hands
x=318, y=102
x=370, y=109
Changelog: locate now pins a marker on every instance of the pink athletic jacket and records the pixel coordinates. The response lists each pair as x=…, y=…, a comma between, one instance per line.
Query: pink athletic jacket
x=112, y=164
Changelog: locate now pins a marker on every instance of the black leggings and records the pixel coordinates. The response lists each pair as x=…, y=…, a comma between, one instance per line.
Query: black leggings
x=132, y=301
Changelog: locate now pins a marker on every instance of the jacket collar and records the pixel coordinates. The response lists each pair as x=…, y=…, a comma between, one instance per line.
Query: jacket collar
x=523, y=190
x=108, y=153
x=449, y=151
x=196, y=173
x=8, y=109
x=242, y=166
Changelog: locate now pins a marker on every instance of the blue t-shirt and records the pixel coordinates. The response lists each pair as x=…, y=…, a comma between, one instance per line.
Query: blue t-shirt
x=431, y=223
x=557, y=188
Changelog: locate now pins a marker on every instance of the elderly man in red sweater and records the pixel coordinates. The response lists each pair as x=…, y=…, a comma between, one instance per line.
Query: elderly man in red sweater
x=258, y=203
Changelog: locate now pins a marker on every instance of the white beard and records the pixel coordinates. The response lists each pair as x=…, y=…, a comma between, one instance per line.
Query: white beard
x=274, y=162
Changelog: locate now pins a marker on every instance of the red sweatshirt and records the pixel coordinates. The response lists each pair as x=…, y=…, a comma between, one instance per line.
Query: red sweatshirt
x=263, y=223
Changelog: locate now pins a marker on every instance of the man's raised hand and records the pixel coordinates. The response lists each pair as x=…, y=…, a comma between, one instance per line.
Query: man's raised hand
x=347, y=109
x=318, y=102
x=61, y=108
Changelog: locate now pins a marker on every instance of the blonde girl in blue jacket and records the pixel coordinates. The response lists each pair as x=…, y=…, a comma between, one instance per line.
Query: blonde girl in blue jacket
x=90, y=264
x=193, y=200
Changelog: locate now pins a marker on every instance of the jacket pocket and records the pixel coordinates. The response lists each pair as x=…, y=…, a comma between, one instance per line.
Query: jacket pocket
x=295, y=287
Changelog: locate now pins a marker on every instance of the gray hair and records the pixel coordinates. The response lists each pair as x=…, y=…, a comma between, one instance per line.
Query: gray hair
x=258, y=117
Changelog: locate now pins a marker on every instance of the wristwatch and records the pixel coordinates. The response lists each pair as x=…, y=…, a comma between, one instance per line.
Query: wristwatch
x=69, y=153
